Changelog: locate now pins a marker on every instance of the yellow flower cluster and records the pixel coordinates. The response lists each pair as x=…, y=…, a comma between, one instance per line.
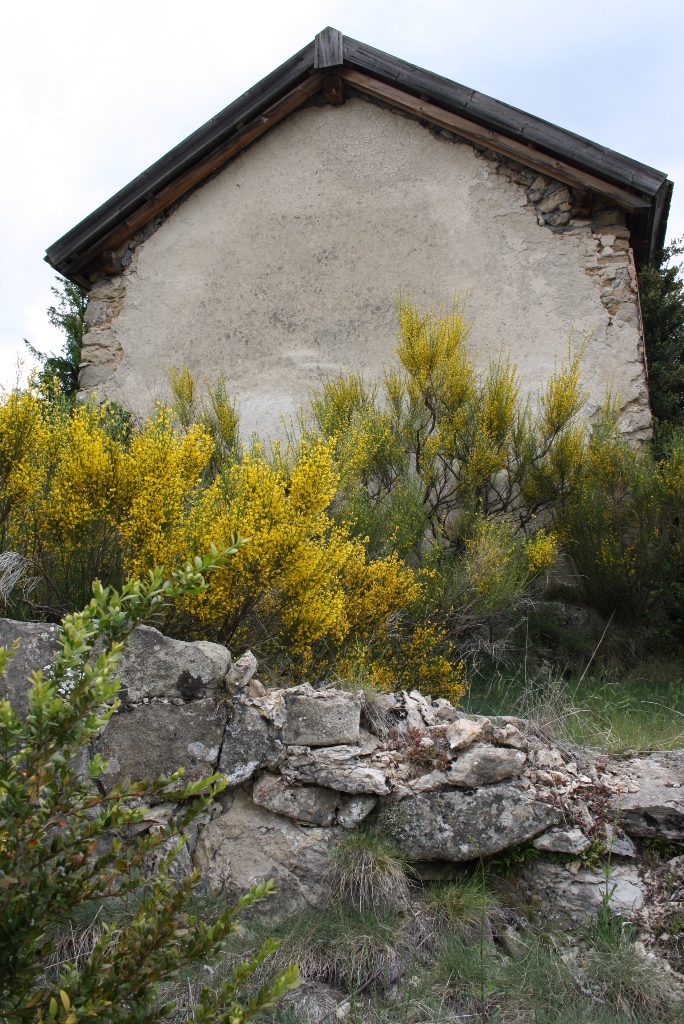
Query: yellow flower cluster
x=84, y=500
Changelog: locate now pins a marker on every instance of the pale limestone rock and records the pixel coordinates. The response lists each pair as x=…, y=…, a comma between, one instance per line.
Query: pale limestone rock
x=617, y=843
x=312, y=804
x=249, y=744
x=444, y=711
x=483, y=765
x=654, y=807
x=37, y=647
x=428, y=783
x=463, y=732
x=354, y=809
x=507, y=735
x=248, y=844
x=157, y=738
x=339, y=767
x=552, y=202
x=549, y=757
x=424, y=704
x=241, y=671
x=271, y=706
x=456, y=826
x=559, y=841
x=573, y=895
x=255, y=689
x=324, y=718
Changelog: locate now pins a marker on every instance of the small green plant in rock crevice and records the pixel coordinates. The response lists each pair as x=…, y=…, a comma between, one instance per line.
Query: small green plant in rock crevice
x=58, y=847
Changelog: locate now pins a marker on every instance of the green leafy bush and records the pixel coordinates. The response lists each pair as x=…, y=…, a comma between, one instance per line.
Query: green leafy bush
x=59, y=847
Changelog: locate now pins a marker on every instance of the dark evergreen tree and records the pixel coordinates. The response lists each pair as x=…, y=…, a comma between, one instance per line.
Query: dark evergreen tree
x=662, y=305
x=69, y=316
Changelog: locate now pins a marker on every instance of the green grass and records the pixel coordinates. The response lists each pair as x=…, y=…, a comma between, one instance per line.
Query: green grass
x=610, y=709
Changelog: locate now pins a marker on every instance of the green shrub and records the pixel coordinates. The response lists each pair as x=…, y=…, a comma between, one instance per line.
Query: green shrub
x=622, y=524
x=58, y=845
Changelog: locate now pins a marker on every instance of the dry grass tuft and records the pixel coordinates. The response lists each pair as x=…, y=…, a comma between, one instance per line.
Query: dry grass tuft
x=366, y=872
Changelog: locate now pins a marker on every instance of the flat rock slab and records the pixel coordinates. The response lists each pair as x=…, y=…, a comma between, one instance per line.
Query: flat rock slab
x=656, y=809
x=556, y=840
x=249, y=745
x=573, y=896
x=154, y=665
x=37, y=645
x=339, y=768
x=156, y=739
x=483, y=765
x=312, y=804
x=354, y=809
x=248, y=843
x=456, y=826
x=322, y=718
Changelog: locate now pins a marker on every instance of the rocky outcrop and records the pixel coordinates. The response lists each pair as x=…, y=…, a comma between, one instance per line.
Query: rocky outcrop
x=649, y=801
x=156, y=739
x=454, y=826
x=303, y=766
x=570, y=893
x=248, y=843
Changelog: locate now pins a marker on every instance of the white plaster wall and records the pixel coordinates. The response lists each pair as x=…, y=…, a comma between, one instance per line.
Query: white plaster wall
x=283, y=268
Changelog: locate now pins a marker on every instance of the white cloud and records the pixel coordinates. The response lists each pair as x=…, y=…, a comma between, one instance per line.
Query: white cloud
x=91, y=94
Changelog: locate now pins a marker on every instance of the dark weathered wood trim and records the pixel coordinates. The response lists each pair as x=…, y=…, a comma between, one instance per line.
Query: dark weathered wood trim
x=220, y=129
x=328, y=48
x=493, y=140
x=500, y=117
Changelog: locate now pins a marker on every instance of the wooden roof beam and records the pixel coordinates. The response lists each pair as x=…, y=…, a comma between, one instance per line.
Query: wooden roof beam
x=511, y=148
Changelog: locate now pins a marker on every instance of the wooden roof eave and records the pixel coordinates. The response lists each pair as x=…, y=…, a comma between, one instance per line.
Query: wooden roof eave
x=626, y=183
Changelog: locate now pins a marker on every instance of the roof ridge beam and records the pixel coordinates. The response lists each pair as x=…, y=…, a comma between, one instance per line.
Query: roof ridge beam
x=328, y=48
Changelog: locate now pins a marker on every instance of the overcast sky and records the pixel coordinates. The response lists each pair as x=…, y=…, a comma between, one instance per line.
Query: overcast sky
x=92, y=93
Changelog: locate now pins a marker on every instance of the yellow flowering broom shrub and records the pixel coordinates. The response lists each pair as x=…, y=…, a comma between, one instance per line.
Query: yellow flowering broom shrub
x=84, y=499
x=388, y=540
x=447, y=467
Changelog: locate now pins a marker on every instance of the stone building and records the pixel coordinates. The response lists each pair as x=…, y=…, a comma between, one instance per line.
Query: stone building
x=271, y=243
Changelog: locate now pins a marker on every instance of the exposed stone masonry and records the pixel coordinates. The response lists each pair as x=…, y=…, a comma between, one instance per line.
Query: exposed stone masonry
x=447, y=786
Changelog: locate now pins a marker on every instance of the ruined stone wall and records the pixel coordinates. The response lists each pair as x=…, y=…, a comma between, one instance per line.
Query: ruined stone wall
x=283, y=268
x=305, y=766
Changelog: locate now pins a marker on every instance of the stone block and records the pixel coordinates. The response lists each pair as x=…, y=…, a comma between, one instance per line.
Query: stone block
x=249, y=744
x=463, y=732
x=353, y=810
x=338, y=768
x=312, y=804
x=248, y=844
x=156, y=739
x=655, y=808
x=560, y=841
x=154, y=665
x=484, y=765
x=37, y=645
x=454, y=826
x=321, y=718
x=241, y=671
